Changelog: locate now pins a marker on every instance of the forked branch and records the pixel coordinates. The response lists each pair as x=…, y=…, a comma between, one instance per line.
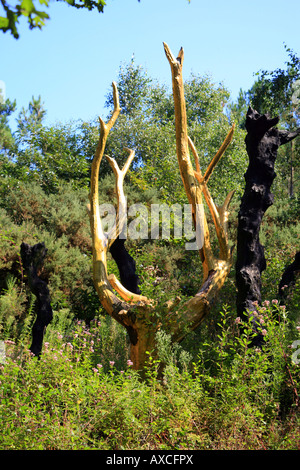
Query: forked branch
x=121, y=199
x=195, y=184
x=219, y=215
x=96, y=227
x=118, y=309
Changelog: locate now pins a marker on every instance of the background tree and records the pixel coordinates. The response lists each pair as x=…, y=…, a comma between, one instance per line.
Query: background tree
x=9, y=171
x=277, y=93
x=148, y=127
x=7, y=107
x=51, y=154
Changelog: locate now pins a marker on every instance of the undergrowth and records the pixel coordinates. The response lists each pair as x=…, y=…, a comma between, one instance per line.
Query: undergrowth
x=83, y=394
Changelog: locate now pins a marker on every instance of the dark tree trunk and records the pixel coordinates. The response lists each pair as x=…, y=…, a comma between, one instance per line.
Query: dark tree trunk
x=126, y=266
x=32, y=260
x=288, y=278
x=262, y=143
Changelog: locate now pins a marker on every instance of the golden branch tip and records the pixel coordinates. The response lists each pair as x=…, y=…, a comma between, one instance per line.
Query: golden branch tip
x=115, y=95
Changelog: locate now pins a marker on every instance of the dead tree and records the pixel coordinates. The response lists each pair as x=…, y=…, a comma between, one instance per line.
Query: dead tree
x=262, y=143
x=32, y=260
x=134, y=311
x=289, y=277
x=126, y=265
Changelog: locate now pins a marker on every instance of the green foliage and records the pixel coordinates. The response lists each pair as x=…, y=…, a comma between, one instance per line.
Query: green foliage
x=61, y=222
x=12, y=309
x=7, y=107
x=53, y=155
x=216, y=391
x=83, y=393
x=273, y=91
x=62, y=214
x=165, y=269
x=50, y=155
x=37, y=18
x=250, y=382
x=147, y=125
x=277, y=93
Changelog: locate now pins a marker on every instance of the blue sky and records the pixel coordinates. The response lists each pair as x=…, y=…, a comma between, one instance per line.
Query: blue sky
x=73, y=60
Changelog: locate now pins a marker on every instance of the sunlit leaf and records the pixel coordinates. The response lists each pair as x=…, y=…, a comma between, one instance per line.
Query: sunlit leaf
x=3, y=22
x=27, y=7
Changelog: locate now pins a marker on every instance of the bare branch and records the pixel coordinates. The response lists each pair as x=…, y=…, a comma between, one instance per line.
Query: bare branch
x=215, y=269
x=96, y=227
x=128, y=296
x=223, y=210
x=219, y=154
x=286, y=136
x=198, y=172
x=99, y=241
x=121, y=199
x=219, y=223
x=117, y=108
x=171, y=58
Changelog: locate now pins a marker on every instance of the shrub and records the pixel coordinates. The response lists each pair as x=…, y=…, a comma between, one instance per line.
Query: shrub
x=83, y=393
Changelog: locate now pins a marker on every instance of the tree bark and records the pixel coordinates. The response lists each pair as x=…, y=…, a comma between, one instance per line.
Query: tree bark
x=262, y=143
x=32, y=259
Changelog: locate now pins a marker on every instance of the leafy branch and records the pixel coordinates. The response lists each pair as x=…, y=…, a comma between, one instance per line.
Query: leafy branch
x=37, y=18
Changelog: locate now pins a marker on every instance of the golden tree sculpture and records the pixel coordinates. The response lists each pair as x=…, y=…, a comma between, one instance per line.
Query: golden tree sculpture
x=136, y=312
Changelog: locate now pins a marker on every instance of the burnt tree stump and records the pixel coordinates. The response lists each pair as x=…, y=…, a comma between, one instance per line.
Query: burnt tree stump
x=126, y=265
x=32, y=260
x=262, y=143
x=289, y=277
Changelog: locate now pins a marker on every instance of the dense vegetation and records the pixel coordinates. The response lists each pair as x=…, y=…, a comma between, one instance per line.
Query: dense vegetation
x=217, y=392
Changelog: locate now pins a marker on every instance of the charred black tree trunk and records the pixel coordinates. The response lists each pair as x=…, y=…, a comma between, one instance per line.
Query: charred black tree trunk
x=288, y=278
x=32, y=259
x=262, y=143
x=126, y=266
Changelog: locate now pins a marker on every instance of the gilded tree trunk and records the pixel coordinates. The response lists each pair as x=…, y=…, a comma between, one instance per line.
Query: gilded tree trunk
x=123, y=300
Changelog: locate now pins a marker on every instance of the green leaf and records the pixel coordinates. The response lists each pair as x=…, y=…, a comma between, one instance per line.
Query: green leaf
x=43, y=15
x=3, y=22
x=27, y=7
